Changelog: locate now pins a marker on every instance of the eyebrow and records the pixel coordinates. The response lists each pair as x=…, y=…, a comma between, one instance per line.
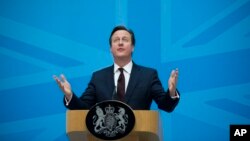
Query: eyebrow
x=121, y=37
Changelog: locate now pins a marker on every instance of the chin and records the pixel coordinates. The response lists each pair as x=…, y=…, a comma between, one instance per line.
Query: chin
x=121, y=56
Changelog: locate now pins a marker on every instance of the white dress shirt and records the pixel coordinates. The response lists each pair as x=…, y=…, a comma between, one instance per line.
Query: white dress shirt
x=127, y=71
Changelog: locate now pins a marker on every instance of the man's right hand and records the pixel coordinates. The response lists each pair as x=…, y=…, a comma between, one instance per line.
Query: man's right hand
x=64, y=85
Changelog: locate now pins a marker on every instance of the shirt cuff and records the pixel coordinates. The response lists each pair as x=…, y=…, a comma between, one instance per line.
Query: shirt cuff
x=176, y=95
x=68, y=100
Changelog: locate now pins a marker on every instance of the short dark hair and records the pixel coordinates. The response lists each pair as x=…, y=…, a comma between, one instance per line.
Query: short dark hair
x=121, y=27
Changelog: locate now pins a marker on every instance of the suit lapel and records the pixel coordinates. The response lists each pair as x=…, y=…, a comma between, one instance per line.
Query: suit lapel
x=132, y=82
x=110, y=82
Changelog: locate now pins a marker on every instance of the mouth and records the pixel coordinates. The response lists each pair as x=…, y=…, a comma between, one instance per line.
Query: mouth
x=120, y=49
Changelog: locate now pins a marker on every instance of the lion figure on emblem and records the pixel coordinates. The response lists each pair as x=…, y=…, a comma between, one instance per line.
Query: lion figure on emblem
x=99, y=122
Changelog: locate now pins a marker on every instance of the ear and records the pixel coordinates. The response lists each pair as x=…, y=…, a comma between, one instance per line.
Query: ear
x=110, y=48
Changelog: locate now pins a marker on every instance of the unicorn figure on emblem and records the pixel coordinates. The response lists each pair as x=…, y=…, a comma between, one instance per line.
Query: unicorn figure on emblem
x=123, y=119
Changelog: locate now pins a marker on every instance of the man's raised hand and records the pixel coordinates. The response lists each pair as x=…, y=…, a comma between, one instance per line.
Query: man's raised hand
x=64, y=85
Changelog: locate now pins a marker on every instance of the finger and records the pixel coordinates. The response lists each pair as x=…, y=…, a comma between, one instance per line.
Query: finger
x=63, y=78
x=56, y=78
x=58, y=81
x=176, y=72
x=172, y=73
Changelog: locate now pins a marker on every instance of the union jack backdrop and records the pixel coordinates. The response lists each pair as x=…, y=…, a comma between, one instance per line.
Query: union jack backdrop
x=207, y=40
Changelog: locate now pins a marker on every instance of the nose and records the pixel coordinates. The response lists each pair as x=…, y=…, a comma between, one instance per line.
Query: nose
x=120, y=42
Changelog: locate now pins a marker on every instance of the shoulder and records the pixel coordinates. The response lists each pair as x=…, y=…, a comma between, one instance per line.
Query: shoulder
x=106, y=70
x=144, y=69
x=146, y=74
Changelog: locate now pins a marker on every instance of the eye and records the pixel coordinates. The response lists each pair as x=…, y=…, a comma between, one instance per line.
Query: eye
x=125, y=39
x=115, y=40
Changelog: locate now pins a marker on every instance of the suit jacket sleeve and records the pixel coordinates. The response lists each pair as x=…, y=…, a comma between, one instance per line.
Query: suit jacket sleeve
x=162, y=98
x=87, y=100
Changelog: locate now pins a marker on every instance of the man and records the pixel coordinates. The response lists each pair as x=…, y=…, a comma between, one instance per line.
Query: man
x=135, y=85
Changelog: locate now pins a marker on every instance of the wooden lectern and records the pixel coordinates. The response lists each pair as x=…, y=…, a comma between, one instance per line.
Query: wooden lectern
x=147, y=127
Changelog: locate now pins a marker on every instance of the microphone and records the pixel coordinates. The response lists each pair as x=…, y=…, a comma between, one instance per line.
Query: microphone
x=114, y=94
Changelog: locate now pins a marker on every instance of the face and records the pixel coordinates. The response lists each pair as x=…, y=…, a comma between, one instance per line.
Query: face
x=121, y=45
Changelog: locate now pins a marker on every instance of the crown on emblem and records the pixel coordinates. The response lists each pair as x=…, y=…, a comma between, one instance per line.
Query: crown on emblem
x=109, y=109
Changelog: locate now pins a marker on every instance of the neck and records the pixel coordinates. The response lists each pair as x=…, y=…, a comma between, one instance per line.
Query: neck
x=122, y=62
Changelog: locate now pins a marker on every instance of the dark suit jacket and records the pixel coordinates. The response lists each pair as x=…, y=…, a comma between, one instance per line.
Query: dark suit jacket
x=144, y=86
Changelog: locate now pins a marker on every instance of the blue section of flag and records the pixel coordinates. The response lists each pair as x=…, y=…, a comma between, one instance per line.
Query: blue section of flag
x=231, y=106
x=208, y=41
x=38, y=53
x=221, y=26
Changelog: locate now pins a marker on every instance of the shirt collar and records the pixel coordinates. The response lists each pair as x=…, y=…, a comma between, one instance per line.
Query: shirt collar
x=127, y=68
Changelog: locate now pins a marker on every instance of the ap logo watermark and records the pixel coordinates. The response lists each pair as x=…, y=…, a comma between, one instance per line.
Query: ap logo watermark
x=239, y=132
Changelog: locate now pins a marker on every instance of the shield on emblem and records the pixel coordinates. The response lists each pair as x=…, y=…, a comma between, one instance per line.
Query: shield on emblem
x=110, y=120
